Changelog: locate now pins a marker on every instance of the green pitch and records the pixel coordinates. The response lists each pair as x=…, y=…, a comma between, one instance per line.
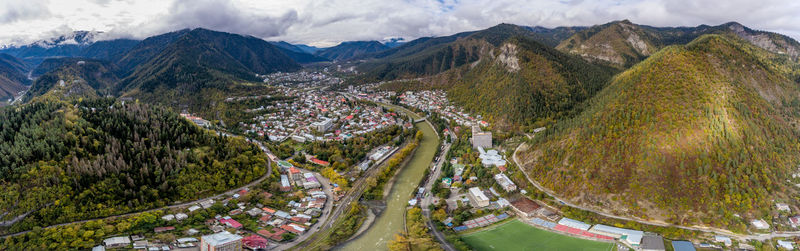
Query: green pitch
x=517, y=235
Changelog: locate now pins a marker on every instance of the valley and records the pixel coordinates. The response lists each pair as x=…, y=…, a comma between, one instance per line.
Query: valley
x=618, y=136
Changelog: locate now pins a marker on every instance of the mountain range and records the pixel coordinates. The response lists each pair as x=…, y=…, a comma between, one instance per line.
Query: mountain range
x=687, y=125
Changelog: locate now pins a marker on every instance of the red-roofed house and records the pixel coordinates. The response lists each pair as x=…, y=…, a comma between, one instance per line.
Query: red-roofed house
x=268, y=210
x=502, y=168
x=231, y=223
x=299, y=219
x=277, y=234
x=320, y=162
x=265, y=218
x=254, y=242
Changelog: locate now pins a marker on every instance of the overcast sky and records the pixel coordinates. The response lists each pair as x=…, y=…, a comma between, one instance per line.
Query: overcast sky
x=328, y=22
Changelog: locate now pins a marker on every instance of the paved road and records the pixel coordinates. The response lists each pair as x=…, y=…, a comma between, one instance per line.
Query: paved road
x=181, y=205
x=759, y=237
x=428, y=199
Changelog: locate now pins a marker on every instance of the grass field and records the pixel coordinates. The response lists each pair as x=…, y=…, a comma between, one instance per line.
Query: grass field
x=516, y=235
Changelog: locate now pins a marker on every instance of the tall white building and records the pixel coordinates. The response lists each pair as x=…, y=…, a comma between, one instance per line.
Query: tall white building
x=478, y=198
x=222, y=241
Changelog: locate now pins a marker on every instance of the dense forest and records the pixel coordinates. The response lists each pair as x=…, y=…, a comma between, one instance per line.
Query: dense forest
x=525, y=83
x=93, y=158
x=708, y=128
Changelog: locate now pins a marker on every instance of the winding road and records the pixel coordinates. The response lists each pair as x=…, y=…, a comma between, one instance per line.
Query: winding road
x=759, y=237
x=181, y=205
x=426, y=202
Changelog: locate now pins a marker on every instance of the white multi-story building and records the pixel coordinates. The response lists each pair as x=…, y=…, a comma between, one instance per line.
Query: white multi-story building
x=222, y=241
x=478, y=198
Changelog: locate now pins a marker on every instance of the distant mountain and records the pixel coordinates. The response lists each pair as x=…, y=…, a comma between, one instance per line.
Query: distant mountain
x=67, y=78
x=308, y=49
x=68, y=45
x=702, y=133
x=394, y=42
x=351, y=50
x=146, y=50
x=198, y=68
x=296, y=53
x=503, y=73
x=110, y=50
x=429, y=56
x=622, y=43
x=554, y=36
x=12, y=76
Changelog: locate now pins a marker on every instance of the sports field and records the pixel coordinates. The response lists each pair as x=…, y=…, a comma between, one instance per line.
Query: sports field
x=516, y=235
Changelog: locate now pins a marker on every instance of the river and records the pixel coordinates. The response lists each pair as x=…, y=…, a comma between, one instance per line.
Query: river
x=390, y=222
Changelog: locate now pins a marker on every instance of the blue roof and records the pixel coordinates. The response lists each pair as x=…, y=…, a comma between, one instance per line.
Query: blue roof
x=683, y=246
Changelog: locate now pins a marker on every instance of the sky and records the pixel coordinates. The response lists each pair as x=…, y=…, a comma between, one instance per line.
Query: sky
x=329, y=22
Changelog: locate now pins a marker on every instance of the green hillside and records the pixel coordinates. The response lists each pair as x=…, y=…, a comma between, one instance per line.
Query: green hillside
x=73, y=78
x=12, y=77
x=351, y=50
x=201, y=68
x=523, y=82
x=64, y=161
x=436, y=55
x=709, y=128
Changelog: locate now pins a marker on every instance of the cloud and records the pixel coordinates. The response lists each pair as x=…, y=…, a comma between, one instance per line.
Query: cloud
x=21, y=10
x=328, y=22
x=216, y=15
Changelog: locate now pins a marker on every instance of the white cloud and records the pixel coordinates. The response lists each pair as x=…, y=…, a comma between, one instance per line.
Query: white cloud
x=327, y=22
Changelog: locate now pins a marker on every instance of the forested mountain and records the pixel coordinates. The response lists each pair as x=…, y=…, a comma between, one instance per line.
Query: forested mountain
x=522, y=82
x=553, y=36
x=146, y=50
x=308, y=49
x=693, y=134
x=202, y=58
x=351, y=50
x=13, y=77
x=430, y=56
x=298, y=54
x=109, y=50
x=63, y=162
x=623, y=44
x=73, y=78
x=200, y=68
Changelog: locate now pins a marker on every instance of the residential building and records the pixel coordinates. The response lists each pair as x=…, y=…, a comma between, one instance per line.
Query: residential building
x=285, y=186
x=477, y=197
x=255, y=242
x=222, y=241
x=505, y=182
x=760, y=224
x=724, y=240
x=788, y=245
x=115, y=242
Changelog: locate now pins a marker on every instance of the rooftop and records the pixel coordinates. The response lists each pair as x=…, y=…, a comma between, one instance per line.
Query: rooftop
x=220, y=238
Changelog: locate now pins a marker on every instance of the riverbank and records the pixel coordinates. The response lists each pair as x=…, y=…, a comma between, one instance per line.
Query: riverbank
x=390, y=222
